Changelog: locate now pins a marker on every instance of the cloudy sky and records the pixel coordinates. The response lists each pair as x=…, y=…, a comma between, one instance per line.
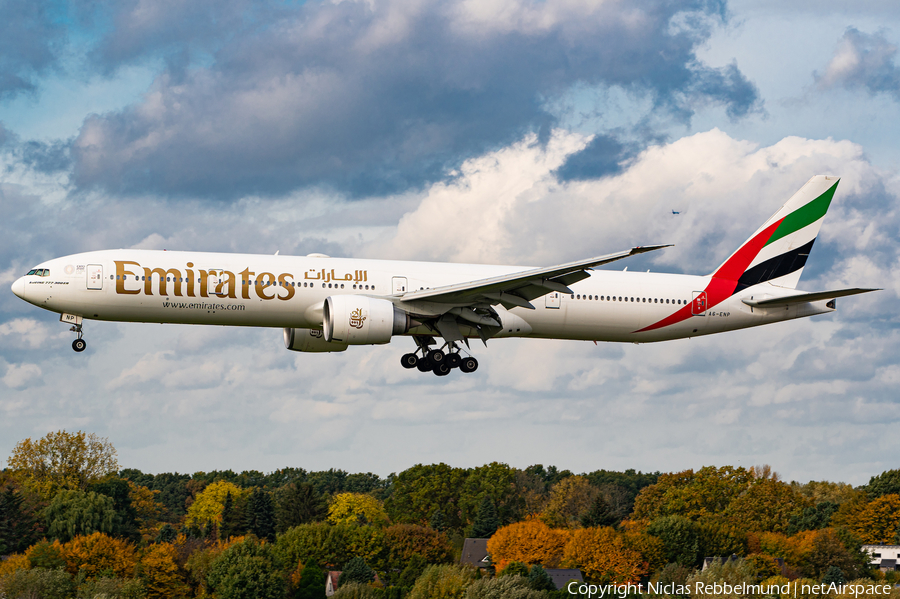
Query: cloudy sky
x=494, y=131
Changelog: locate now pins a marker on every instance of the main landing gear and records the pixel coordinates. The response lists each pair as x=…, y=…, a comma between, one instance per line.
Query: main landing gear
x=79, y=344
x=437, y=361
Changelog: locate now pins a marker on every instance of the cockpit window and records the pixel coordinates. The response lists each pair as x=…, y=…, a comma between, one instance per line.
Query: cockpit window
x=39, y=272
x=31, y=272
x=46, y=272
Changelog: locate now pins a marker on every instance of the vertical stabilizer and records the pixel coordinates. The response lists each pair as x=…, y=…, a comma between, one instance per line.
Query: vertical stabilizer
x=777, y=252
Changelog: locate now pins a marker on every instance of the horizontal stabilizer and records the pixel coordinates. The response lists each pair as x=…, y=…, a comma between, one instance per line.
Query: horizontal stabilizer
x=766, y=301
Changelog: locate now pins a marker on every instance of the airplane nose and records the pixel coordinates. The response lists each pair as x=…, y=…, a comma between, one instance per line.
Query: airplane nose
x=19, y=287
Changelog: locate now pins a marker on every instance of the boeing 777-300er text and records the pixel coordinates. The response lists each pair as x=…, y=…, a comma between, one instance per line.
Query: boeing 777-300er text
x=327, y=304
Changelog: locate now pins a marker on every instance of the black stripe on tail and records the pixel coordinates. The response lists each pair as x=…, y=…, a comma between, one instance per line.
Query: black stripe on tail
x=773, y=268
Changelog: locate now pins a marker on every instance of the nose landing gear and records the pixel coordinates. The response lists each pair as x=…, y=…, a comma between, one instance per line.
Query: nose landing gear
x=79, y=344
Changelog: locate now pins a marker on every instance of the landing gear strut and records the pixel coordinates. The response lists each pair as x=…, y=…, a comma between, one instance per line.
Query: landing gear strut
x=79, y=344
x=437, y=360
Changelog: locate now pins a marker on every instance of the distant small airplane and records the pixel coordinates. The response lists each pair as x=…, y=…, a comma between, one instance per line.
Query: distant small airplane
x=327, y=304
x=676, y=212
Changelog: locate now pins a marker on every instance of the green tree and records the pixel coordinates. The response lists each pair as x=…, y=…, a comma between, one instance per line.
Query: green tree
x=505, y=587
x=539, y=580
x=693, y=495
x=247, y=569
x=63, y=460
x=442, y=582
x=173, y=490
x=812, y=517
x=232, y=523
x=118, y=490
x=356, y=570
x=599, y=514
x=260, y=515
x=167, y=534
x=74, y=513
x=680, y=537
x=833, y=576
x=46, y=555
x=296, y=504
x=312, y=583
x=515, y=568
x=486, y=520
x=420, y=490
x=19, y=526
x=355, y=590
x=411, y=572
x=496, y=481
x=438, y=521
x=886, y=483
x=38, y=583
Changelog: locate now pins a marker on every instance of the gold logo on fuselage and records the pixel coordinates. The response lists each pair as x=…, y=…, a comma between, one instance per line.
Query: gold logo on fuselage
x=133, y=279
x=357, y=319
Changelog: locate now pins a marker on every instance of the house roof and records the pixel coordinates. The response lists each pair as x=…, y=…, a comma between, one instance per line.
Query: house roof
x=333, y=576
x=475, y=553
x=562, y=576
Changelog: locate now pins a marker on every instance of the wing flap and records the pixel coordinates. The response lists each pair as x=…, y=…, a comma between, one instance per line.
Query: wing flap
x=802, y=298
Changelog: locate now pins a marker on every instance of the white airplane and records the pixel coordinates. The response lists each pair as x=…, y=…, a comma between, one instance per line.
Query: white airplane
x=326, y=304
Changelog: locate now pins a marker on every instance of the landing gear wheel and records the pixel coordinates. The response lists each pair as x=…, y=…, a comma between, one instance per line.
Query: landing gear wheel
x=436, y=357
x=454, y=360
x=409, y=360
x=442, y=369
x=79, y=345
x=469, y=364
x=423, y=365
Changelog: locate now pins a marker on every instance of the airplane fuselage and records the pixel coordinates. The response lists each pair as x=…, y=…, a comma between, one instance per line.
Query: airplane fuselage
x=289, y=291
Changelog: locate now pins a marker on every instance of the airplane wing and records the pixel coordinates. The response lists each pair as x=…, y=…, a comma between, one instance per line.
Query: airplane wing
x=800, y=298
x=518, y=288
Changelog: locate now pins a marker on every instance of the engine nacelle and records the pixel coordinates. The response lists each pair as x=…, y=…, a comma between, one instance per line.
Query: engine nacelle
x=310, y=340
x=360, y=320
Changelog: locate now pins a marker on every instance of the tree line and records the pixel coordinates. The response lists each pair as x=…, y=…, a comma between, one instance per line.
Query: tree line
x=72, y=522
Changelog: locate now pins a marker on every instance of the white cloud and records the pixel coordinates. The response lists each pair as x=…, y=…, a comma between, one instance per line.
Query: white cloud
x=22, y=375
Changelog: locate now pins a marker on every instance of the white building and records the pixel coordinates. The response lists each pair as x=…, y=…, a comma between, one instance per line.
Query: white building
x=885, y=557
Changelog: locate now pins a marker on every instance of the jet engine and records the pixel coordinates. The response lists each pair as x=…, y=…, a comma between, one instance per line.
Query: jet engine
x=360, y=320
x=310, y=340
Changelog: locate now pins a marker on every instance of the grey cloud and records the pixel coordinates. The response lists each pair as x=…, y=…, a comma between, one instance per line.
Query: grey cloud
x=865, y=61
x=30, y=40
x=180, y=30
x=377, y=98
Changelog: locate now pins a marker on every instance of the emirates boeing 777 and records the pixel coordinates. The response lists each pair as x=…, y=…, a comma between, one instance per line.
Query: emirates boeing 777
x=327, y=304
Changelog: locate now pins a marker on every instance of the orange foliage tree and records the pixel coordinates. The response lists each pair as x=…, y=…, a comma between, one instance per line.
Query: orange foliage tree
x=160, y=573
x=98, y=553
x=604, y=556
x=529, y=542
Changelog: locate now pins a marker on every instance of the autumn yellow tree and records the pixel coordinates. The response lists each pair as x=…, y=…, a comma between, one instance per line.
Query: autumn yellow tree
x=529, y=542
x=569, y=499
x=352, y=508
x=878, y=521
x=766, y=505
x=604, y=556
x=209, y=503
x=63, y=460
x=159, y=572
x=98, y=553
x=148, y=510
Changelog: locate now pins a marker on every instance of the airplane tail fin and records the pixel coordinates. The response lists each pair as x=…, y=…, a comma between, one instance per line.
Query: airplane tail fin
x=777, y=252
